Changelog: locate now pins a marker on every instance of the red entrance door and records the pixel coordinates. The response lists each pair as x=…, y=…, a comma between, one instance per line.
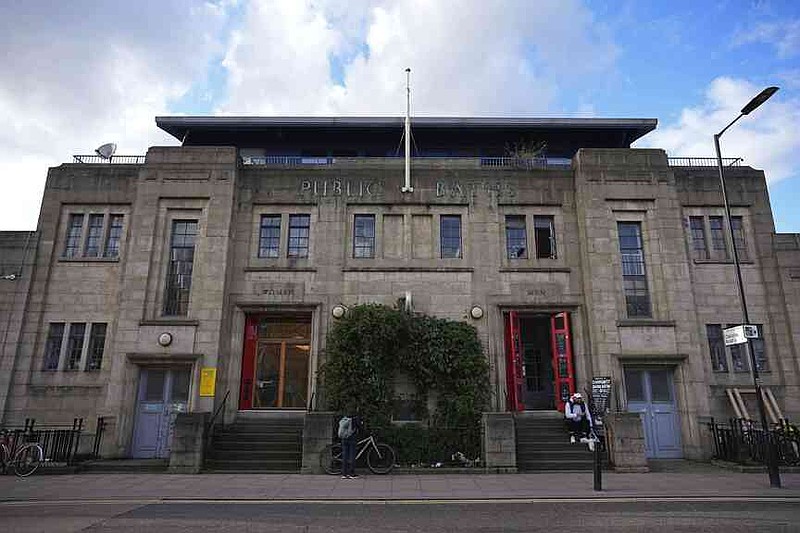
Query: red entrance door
x=515, y=378
x=248, y=362
x=562, y=358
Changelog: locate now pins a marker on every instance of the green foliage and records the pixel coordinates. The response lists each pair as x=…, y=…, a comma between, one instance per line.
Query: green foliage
x=373, y=344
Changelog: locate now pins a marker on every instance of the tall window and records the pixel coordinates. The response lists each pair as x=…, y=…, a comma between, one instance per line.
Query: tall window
x=699, y=245
x=97, y=341
x=269, y=239
x=94, y=236
x=52, y=348
x=77, y=331
x=450, y=236
x=364, y=236
x=718, y=246
x=716, y=345
x=299, y=229
x=74, y=230
x=181, y=263
x=114, y=236
x=634, y=274
x=516, y=237
x=545, y=235
x=738, y=237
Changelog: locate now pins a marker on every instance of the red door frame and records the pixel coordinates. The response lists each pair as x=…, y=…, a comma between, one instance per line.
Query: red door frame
x=248, y=362
x=563, y=369
x=515, y=379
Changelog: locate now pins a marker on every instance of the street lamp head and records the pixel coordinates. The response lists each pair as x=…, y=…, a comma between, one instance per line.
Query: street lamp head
x=759, y=99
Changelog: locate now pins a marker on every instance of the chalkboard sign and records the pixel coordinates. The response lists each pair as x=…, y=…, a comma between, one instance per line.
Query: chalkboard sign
x=601, y=391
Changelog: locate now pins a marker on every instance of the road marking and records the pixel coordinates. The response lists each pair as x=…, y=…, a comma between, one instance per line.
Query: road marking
x=494, y=501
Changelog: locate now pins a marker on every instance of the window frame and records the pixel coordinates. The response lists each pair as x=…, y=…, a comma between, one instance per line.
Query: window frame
x=75, y=346
x=299, y=251
x=446, y=241
x=74, y=236
x=52, y=349
x=550, y=221
x=737, y=352
x=699, y=253
x=368, y=250
x=719, y=242
x=634, y=285
x=91, y=241
x=177, y=299
x=96, y=340
x=274, y=251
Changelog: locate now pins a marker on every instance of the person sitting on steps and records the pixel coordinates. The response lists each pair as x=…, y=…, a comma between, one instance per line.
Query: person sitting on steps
x=578, y=418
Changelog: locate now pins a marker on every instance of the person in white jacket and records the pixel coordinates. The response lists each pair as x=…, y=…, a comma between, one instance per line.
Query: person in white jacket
x=578, y=418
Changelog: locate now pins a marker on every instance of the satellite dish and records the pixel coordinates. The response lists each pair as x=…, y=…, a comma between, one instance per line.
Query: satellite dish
x=107, y=150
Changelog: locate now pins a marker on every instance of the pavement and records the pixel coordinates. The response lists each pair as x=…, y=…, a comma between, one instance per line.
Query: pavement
x=683, y=481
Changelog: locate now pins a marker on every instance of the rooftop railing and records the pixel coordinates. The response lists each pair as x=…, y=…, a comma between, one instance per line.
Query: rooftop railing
x=486, y=162
x=113, y=160
x=702, y=162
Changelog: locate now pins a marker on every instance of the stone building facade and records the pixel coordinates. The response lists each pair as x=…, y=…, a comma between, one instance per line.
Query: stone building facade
x=235, y=251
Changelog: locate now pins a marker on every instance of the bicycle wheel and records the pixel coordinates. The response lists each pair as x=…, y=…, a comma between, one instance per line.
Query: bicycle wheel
x=28, y=459
x=330, y=459
x=381, y=461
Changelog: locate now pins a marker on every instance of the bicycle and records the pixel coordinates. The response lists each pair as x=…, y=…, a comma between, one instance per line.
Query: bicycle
x=380, y=457
x=25, y=459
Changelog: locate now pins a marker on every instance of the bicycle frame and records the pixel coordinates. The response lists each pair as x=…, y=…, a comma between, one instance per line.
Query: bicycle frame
x=366, y=442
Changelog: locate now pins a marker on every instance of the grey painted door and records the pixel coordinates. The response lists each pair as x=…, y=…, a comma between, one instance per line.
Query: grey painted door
x=650, y=392
x=163, y=393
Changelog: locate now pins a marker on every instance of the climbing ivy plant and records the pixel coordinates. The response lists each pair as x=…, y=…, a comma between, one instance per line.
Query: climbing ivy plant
x=369, y=348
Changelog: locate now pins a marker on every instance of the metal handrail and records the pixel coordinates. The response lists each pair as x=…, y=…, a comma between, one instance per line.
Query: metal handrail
x=212, y=421
x=704, y=162
x=113, y=160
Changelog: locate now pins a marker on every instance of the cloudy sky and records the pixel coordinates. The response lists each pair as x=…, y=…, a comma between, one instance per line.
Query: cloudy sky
x=76, y=74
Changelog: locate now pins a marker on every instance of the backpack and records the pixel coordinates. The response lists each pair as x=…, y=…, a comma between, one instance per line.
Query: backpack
x=345, y=427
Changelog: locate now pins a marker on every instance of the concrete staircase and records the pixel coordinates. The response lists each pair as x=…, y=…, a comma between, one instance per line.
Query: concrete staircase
x=543, y=444
x=258, y=442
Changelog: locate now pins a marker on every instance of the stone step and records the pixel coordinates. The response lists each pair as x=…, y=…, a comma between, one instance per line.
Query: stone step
x=243, y=465
x=106, y=466
x=254, y=455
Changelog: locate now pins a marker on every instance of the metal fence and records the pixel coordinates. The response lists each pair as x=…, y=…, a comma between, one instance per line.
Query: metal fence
x=113, y=160
x=60, y=444
x=740, y=441
x=704, y=162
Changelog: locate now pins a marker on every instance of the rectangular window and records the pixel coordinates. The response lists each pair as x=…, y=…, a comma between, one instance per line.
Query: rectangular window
x=299, y=230
x=698, y=230
x=52, y=348
x=759, y=352
x=114, y=236
x=738, y=237
x=450, y=236
x=77, y=330
x=94, y=236
x=718, y=247
x=97, y=342
x=716, y=346
x=181, y=264
x=269, y=239
x=516, y=237
x=74, y=230
x=545, y=235
x=364, y=236
x=634, y=274
x=739, y=362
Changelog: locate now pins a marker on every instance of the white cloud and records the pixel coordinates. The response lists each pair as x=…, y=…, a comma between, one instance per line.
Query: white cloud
x=76, y=74
x=768, y=138
x=784, y=36
x=486, y=57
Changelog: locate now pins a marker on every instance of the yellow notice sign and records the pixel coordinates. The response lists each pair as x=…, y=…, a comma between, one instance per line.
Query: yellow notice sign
x=208, y=381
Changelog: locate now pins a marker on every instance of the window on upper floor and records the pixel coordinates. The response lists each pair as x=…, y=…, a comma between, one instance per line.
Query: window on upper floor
x=180, y=267
x=516, y=237
x=699, y=246
x=735, y=357
x=450, y=236
x=545, y=235
x=719, y=247
x=74, y=346
x=634, y=273
x=364, y=236
x=99, y=238
x=738, y=237
x=269, y=239
x=299, y=232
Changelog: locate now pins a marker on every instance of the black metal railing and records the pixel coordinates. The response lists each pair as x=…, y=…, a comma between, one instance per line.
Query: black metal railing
x=704, y=162
x=212, y=423
x=100, y=430
x=742, y=442
x=114, y=159
x=59, y=443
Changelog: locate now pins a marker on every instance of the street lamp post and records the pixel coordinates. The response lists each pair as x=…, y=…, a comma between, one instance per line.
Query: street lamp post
x=772, y=464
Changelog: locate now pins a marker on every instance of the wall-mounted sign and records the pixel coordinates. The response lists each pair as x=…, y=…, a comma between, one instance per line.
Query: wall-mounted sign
x=739, y=334
x=208, y=381
x=601, y=392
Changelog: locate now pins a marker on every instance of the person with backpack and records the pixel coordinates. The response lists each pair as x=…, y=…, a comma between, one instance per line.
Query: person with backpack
x=348, y=428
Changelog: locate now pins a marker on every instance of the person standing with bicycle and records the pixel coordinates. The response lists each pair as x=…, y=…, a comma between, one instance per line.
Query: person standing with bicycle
x=349, y=425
